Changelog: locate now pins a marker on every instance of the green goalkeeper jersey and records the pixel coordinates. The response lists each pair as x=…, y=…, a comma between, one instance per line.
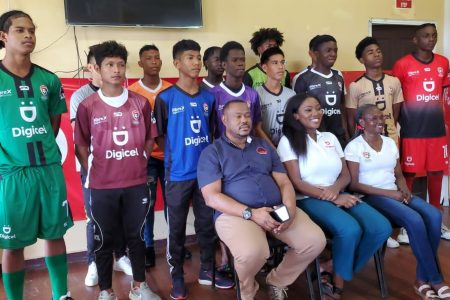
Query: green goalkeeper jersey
x=26, y=105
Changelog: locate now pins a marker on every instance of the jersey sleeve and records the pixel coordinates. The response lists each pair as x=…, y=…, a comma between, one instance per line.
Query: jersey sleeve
x=285, y=151
x=351, y=100
x=398, y=93
x=75, y=101
x=208, y=168
x=82, y=134
x=257, y=110
x=446, y=82
x=160, y=114
x=57, y=100
x=300, y=85
x=351, y=152
x=247, y=80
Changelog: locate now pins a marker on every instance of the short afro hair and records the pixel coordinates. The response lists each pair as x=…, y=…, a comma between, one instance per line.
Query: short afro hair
x=264, y=34
x=363, y=44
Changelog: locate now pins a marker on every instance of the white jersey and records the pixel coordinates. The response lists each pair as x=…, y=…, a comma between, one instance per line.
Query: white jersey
x=272, y=110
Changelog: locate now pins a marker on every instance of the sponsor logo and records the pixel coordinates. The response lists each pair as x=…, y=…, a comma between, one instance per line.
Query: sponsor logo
x=193, y=104
x=6, y=233
x=28, y=113
x=427, y=98
x=427, y=69
x=24, y=87
x=409, y=161
x=366, y=154
x=378, y=88
x=413, y=73
x=275, y=131
x=99, y=120
x=120, y=138
x=279, y=118
x=261, y=150
x=331, y=111
x=196, y=124
x=122, y=153
x=428, y=85
x=314, y=86
x=28, y=131
x=195, y=141
x=117, y=114
x=329, y=82
x=6, y=93
x=328, y=144
x=177, y=110
x=330, y=99
x=144, y=200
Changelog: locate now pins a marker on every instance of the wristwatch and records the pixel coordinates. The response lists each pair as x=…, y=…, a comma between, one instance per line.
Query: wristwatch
x=247, y=213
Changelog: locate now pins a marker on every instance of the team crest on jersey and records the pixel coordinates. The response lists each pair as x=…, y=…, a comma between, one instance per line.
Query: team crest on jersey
x=135, y=115
x=44, y=92
x=440, y=72
x=366, y=155
x=205, y=107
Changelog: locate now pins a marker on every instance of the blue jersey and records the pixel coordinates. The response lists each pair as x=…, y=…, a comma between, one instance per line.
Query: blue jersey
x=186, y=122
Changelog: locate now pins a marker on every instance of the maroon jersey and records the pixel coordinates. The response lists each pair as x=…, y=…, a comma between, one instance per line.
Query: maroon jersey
x=115, y=130
x=422, y=113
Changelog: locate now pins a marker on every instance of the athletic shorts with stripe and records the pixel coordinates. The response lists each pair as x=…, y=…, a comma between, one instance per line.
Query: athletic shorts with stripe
x=419, y=155
x=33, y=204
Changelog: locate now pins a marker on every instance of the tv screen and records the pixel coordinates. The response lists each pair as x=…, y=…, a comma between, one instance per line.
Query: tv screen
x=149, y=13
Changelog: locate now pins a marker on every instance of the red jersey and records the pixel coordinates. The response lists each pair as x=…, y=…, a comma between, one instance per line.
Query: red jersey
x=115, y=129
x=422, y=113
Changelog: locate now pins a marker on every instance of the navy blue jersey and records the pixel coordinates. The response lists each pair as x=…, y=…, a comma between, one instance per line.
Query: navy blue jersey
x=186, y=121
x=329, y=89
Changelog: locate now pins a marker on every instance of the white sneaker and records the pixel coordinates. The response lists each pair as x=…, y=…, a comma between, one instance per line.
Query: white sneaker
x=391, y=243
x=92, y=275
x=143, y=292
x=445, y=232
x=123, y=265
x=105, y=295
x=402, y=237
x=66, y=297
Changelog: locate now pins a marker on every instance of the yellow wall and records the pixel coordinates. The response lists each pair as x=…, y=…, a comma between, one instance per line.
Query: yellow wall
x=227, y=20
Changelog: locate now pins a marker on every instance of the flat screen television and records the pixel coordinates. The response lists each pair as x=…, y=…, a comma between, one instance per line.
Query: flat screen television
x=147, y=13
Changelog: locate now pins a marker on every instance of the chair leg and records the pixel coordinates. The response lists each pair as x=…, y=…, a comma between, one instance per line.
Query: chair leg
x=312, y=295
x=319, y=280
x=379, y=259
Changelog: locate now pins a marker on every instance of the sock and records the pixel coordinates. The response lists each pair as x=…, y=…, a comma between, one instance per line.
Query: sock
x=434, y=186
x=13, y=284
x=409, y=178
x=57, y=269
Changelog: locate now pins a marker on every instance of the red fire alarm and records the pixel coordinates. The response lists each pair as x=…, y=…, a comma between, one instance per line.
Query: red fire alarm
x=404, y=4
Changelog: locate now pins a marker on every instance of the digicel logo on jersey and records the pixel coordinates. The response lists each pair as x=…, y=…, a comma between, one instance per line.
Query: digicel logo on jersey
x=28, y=131
x=122, y=153
x=428, y=86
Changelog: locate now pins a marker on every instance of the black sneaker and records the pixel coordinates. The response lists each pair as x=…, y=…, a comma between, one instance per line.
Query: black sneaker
x=178, y=291
x=149, y=257
x=222, y=282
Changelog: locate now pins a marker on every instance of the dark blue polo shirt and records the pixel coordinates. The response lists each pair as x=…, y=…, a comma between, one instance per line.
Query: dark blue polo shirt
x=246, y=174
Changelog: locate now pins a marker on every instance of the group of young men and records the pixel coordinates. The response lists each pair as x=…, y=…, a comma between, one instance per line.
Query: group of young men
x=128, y=139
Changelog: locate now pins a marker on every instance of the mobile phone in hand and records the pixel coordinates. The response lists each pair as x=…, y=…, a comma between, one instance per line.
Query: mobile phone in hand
x=280, y=214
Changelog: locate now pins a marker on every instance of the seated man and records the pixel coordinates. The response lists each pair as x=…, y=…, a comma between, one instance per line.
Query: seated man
x=242, y=178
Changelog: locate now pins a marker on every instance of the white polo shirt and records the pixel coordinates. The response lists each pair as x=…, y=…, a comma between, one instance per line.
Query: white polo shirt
x=375, y=168
x=322, y=164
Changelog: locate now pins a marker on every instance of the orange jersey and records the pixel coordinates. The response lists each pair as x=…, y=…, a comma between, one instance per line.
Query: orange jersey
x=141, y=89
